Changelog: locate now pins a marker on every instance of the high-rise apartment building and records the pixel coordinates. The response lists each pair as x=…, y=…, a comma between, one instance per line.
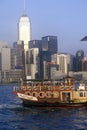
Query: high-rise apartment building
x=84, y=64
x=49, y=47
x=79, y=58
x=6, y=58
x=2, y=44
x=33, y=63
x=64, y=62
x=17, y=55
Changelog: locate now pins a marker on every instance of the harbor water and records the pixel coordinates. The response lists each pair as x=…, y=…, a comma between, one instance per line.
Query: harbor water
x=13, y=116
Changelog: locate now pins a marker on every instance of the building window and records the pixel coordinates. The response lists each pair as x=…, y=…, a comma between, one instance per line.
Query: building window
x=81, y=94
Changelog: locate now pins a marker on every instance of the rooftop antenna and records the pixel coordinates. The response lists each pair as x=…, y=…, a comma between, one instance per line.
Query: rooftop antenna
x=24, y=4
x=24, y=7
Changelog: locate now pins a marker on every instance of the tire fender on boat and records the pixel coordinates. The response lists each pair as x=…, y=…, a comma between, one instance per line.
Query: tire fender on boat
x=28, y=93
x=49, y=94
x=55, y=94
x=35, y=94
x=42, y=94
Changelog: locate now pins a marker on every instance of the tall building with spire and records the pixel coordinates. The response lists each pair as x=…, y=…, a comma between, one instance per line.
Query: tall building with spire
x=24, y=35
x=24, y=29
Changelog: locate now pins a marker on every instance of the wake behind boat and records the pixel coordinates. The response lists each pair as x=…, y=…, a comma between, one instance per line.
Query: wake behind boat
x=52, y=93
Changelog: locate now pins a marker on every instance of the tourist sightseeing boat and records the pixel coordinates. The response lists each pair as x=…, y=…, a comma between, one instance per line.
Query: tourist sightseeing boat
x=52, y=93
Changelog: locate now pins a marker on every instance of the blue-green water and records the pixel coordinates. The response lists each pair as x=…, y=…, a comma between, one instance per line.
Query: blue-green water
x=13, y=116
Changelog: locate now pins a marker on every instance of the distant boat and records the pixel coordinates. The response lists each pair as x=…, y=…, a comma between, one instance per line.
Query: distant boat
x=52, y=93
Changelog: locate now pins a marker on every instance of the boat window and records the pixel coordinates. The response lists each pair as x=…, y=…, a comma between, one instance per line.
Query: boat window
x=28, y=94
x=41, y=94
x=81, y=94
x=48, y=94
x=34, y=94
x=85, y=94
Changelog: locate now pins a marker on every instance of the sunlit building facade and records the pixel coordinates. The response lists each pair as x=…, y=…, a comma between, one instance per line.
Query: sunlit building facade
x=6, y=58
x=64, y=62
x=24, y=30
x=33, y=63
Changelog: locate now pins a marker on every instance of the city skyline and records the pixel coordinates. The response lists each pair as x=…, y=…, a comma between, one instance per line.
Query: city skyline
x=65, y=19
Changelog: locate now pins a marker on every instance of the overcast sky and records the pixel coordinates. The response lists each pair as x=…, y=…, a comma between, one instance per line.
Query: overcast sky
x=67, y=19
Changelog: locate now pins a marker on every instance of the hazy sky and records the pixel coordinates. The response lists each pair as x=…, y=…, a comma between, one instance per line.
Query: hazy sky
x=67, y=19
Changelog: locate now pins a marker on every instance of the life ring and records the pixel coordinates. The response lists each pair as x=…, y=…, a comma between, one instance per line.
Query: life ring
x=41, y=94
x=35, y=94
x=49, y=94
x=55, y=94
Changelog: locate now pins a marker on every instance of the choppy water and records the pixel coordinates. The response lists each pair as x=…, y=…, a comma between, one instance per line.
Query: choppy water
x=13, y=116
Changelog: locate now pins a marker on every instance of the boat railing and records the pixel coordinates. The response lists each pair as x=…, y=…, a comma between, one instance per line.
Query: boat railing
x=45, y=88
x=37, y=88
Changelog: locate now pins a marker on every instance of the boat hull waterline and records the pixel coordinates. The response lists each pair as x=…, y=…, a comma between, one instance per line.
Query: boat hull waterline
x=30, y=101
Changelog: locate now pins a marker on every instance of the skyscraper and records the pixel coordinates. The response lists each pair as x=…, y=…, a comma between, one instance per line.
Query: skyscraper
x=33, y=63
x=49, y=43
x=24, y=34
x=64, y=62
x=24, y=29
x=79, y=58
x=17, y=55
x=49, y=47
x=6, y=58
